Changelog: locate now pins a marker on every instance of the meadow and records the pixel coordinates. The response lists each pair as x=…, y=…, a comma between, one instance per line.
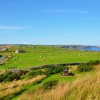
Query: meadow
x=42, y=55
x=81, y=86
x=48, y=83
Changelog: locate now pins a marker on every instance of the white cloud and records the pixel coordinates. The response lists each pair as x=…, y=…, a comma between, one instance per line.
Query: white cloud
x=3, y=27
x=65, y=11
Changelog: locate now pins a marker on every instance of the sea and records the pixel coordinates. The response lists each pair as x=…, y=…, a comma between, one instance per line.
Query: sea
x=92, y=49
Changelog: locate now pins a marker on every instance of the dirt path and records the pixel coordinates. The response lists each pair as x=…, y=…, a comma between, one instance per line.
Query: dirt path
x=2, y=58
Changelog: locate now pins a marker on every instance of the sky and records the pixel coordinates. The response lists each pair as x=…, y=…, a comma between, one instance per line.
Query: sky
x=50, y=22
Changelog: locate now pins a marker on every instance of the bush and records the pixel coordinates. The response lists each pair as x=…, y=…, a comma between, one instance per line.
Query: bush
x=54, y=70
x=50, y=84
x=9, y=76
x=22, y=72
x=49, y=70
x=3, y=77
x=85, y=67
x=94, y=62
x=36, y=72
x=88, y=66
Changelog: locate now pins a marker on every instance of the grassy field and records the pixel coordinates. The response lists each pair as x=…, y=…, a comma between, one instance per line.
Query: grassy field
x=81, y=86
x=84, y=87
x=10, y=89
x=41, y=55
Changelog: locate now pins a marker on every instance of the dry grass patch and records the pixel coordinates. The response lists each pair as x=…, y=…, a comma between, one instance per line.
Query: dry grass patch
x=86, y=88
x=9, y=88
x=72, y=68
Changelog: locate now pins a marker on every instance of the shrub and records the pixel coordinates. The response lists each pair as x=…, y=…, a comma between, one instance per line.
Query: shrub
x=9, y=76
x=88, y=66
x=49, y=70
x=54, y=70
x=50, y=84
x=94, y=62
x=22, y=72
x=85, y=67
x=36, y=72
x=3, y=77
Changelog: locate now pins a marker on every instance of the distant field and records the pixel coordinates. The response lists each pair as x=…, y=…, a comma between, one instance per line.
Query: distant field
x=41, y=55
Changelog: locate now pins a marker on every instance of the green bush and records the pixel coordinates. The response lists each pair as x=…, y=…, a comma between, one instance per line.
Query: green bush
x=3, y=77
x=94, y=62
x=35, y=72
x=9, y=76
x=85, y=67
x=50, y=84
x=54, y=70
x=22, y=72
x=49, y=70
x=88, y=66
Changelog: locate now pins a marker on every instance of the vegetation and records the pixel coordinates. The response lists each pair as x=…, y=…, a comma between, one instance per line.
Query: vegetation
x=88, y=66
x=22, y=76
x=94, y=62
x=54, y=70
x=50, y=84
x=43, y=55
x=8, y=77
x=83, y=88
x=44, y=87
x=9, y=90
x=85, y=67
x=35, y=72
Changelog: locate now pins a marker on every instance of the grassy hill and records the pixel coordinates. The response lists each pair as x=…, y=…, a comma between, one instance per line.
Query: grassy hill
x=81, y=86
x=48, y=83
x=41, y=55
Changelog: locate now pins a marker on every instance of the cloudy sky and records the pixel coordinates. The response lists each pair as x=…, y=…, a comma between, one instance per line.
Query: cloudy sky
x=50, y=22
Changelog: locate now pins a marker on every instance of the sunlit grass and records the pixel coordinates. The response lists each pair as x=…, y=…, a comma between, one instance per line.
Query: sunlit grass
x=52, y=55
x=83, y=88
x=11, y=88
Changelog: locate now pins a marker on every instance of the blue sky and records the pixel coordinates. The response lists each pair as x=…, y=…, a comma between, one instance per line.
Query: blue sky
x=50, y=22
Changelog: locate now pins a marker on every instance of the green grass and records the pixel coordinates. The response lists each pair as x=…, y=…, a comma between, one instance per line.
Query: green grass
x=59, y=78
x=54, y=77
x=63, y=80
x=54, y=55
x=32, y=56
